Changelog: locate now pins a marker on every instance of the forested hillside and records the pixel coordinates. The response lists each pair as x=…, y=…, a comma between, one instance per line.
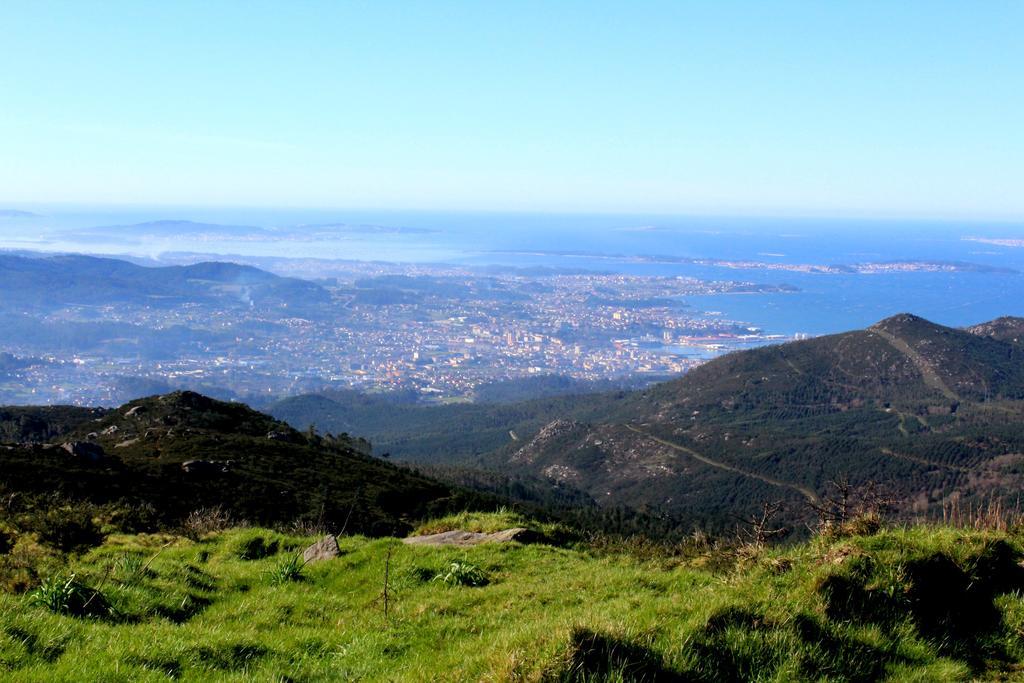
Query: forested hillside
x=452, y=433
x=928, y=414
x=164, y=457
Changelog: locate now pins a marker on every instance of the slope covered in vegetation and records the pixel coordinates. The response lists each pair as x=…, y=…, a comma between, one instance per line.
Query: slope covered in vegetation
x=415, y=432
x=152, y=462
x=912, y=604
x=929, y=413
x=43, y=281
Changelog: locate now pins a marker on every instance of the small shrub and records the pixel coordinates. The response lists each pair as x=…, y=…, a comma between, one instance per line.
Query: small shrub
x=866, y=524
x=130, y=518
x=308, y=527
x=69, y=529
x=206, y=521
x=56, y=594
x=462, y=574
x=287, y=570
x=26, y=562
x=70, y=596
x=863, y=524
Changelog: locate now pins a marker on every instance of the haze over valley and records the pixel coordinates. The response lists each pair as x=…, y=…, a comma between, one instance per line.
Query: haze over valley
x=439, y=305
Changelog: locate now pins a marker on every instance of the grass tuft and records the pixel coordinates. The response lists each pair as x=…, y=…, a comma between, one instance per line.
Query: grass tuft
x=287, y=570
x=68, y=595
x=462, y=574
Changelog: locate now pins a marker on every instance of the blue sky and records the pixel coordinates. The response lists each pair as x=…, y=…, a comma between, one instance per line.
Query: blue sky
x=816, y=108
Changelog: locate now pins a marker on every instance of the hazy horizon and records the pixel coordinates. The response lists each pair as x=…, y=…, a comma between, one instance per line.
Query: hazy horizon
x=178, y=211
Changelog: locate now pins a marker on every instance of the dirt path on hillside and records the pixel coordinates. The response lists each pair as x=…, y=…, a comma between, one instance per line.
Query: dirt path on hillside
x=802, y=490
x=928, y=374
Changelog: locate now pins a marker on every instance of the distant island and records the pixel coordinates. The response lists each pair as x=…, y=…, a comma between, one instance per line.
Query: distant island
x=366, y=229
x=872, y=267
x=14, y=213
x=999, y=242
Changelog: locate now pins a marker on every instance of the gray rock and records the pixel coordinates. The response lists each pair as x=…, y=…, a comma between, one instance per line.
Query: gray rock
x=324, y=549
x=91, y=452
x=467, y=538
x=456, y=537
x=517, y=534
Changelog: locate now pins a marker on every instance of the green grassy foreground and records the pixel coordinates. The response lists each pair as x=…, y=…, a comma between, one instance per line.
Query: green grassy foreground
x=918, y=604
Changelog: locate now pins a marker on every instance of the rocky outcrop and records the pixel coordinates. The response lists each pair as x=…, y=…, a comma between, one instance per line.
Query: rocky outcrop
x=555, y=432
x=1007, y=329
x=468, y=538
x=90, y=452
x=324, y=549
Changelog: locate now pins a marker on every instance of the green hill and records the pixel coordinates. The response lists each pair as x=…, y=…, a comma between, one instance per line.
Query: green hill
x=1007, y=328
x=44, y=281
x=928, y=413
x=914, y=604
x=180, y=452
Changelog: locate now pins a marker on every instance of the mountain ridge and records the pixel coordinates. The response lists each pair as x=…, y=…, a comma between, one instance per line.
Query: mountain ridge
x=180, y=452
x=925, y=410
x=45, y=280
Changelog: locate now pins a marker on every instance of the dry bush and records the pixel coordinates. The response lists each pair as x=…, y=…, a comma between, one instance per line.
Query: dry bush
x=852, y=511
x=760, y=528
x=307, y=527
x=207, y=520
x=992, y=514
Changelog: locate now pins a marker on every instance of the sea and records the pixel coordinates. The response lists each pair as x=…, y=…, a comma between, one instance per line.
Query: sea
x=987, y=283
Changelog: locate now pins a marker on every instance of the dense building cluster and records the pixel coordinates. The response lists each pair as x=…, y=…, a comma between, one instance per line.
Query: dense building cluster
x=440, y=331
